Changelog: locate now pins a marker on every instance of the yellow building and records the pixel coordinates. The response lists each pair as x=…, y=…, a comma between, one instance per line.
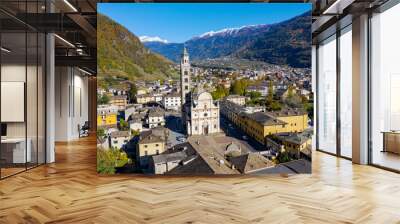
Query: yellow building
x=107, y=115
x=258, y=125
x=293, y=143
x=145, y=98
x=151, y=143
x=296, y=119
x=120, y=101
x=141, y=91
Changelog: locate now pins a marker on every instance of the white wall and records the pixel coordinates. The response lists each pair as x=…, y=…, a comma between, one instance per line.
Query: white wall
x=12, y=73
x=71, y=103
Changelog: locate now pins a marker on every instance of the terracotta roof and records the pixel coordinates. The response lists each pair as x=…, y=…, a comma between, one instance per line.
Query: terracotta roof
x=251, y=162
x=197, y=166
x=152, y=136
x=156, y=112
x=118, y=97
x=295, y=138
x=169, y=157
x=173, y=94
x=117, y=134
x=265, y=119
x=286, y=112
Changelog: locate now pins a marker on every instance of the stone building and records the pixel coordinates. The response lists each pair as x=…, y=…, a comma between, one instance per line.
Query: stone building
x=200, y=114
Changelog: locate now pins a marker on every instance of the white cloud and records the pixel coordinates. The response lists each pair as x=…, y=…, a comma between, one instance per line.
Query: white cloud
x=152, y=39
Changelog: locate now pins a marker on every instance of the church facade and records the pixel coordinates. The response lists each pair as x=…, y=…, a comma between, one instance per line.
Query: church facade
x=200, y=114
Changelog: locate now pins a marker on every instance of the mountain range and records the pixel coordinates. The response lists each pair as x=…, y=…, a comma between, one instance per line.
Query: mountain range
x=284, y=43
x=121, y=54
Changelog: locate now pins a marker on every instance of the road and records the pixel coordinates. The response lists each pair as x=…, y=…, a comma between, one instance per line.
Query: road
x=174, y=124
x=233, y=131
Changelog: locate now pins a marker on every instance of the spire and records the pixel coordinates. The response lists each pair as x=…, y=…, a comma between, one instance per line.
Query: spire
x=184, y=50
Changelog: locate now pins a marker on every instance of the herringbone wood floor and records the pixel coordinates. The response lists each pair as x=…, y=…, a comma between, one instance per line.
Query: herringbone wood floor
x=70, y=191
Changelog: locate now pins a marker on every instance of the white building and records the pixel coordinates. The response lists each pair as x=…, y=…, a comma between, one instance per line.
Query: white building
x=163, y=163
x=172, y=101
x=155, y=117
x=119, y=138
x=202, y=115
x=263, y=90
x=239, y=100
x=136, y=125
x=158, y=97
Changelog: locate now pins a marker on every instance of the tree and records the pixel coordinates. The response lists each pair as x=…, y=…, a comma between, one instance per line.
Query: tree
x=309, y=107
x=275, y=106
x=102, y=99
x=220, y=92
x=123, y=125
x=290, y=91
x=109, y=159
x=132, y=93
x=283, y=157
x=239, y=87
x=270, y=102
x=255, y=95
x=270, y=96
x=135, y=132
x=100, y=133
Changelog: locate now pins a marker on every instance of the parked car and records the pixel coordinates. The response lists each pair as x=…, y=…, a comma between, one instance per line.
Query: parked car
x=181, y=138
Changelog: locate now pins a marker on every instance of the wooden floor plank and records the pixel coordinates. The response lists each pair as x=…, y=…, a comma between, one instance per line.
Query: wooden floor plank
x=70, y=191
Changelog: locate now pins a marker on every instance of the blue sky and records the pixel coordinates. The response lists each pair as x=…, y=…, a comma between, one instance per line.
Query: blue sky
x=177, y=22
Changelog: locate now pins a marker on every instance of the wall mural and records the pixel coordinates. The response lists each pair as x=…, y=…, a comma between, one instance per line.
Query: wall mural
x=204, y=89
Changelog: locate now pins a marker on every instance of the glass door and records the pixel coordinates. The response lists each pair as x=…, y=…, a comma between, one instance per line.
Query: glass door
x=22, y=90
x=14, y=156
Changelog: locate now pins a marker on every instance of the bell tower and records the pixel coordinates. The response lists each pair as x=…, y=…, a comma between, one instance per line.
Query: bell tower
x=185, y=76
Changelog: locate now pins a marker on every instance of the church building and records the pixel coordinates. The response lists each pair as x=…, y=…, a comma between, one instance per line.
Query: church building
x=200, y=114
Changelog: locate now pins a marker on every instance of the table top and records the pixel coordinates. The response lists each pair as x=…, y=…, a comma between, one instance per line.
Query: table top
x=391, y=132
x=13, y=140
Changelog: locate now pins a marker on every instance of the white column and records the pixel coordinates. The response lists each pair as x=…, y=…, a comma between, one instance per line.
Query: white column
x=360, y=90
x=50, y=98
x=314, y=90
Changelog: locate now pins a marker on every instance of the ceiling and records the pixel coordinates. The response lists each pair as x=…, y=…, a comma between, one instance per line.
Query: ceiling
x=75, y=22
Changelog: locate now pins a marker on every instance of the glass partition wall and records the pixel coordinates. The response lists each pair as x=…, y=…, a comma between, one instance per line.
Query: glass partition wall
x=22, y=98
x=326, y=140
x=334, y=94
x=345, y=91
x=385, y=89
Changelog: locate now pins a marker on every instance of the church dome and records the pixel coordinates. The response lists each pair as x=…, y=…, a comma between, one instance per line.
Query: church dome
x=232, y=147
x=204, y=96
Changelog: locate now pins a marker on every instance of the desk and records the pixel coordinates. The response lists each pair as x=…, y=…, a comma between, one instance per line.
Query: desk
x=391, y=141
x=13, y=150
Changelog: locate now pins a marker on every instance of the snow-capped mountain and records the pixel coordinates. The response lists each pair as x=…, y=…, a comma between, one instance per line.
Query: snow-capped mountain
x=144, y=39
x=287, y=42
x=229, y=31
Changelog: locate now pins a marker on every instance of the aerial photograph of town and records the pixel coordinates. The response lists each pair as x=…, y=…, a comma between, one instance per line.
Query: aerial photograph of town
x=204, y=89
